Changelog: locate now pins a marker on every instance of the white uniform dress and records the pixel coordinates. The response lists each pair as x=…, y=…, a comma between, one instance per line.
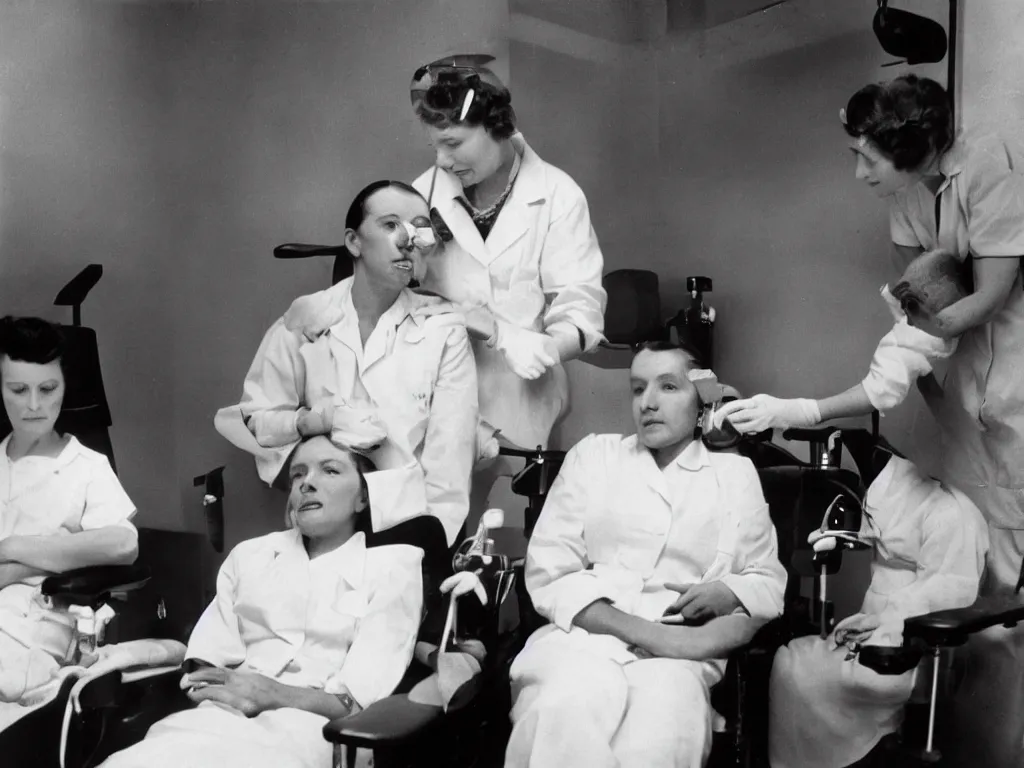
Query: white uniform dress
x=982, y=414
x=416, y=371
x=347, y=618
x=827, y=711
x=616, y=527
x=42, y=496
x=540, y=268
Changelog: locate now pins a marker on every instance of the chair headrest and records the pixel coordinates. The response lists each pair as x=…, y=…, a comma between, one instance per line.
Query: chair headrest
x=633, y=314
x=917, y=39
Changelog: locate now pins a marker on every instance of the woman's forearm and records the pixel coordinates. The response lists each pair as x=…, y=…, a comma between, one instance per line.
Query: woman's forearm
x=312, y=700
x=113, y=545
x=852, y=402
x=15, y=573
x=602, y=618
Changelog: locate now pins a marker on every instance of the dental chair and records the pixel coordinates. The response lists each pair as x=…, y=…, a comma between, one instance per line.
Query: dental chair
x=117, y=710
x=34, y=739
x=928, y=637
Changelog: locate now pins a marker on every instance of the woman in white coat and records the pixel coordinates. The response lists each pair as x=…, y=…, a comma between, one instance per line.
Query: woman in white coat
x=965, y=194
x=370, y=352
x=61, y=508
x=308, y=625
x=519, y=255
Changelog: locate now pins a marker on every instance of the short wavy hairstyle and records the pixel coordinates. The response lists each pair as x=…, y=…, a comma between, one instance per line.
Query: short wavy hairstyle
x=441, y=105
x=32, y=340
x=909, y=119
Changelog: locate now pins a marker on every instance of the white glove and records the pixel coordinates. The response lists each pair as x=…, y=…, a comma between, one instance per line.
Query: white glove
x=762, y=412
x=527, y=353
x=355, y=427
x=462, y=584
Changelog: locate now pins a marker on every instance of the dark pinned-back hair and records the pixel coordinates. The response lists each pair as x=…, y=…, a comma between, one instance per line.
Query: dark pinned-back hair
x=31, y=340
x=357, y=210
x=664, y=345
x=909, y=119
x=441, y=105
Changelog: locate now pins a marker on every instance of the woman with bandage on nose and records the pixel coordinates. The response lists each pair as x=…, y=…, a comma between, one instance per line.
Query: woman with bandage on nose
x=372, y=363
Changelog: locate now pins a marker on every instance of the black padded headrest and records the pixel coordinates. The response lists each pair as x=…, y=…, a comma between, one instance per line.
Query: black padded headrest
x=633, y=314
x=917, y=39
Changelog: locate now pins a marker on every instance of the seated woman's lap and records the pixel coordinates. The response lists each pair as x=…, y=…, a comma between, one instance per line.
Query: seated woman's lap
x=215, y=736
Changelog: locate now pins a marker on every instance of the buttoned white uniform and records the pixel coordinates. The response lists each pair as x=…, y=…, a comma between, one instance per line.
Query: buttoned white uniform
x=617, y=527
x=827, y=711
x=43, y=496
x=416, y=370
x=347, y=618
x=540, y=268
x=982, y=416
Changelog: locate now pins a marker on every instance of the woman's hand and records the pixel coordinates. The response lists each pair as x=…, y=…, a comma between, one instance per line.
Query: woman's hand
x=527, y=353
x=316, y=421
x=855, y=629
x=248, y=692
x=761, y=412
x=698, y=603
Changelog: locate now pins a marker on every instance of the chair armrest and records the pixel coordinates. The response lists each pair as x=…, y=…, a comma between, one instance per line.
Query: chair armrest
x=93, y=586
x=385, y=723
x=953, y=627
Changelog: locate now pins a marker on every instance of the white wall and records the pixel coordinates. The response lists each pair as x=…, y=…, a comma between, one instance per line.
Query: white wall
x=177, y=144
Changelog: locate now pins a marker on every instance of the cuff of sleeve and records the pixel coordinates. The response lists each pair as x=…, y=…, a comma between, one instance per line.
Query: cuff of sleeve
x=578, y=591
x=396, y=495
x=360, y=688
x=755, y=598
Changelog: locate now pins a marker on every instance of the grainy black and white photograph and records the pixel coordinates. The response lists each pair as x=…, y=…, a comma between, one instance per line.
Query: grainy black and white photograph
x=512, y=383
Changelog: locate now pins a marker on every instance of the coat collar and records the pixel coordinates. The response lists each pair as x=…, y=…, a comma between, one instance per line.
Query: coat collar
x=693, y=457
x=349, y=559
x=516, y=217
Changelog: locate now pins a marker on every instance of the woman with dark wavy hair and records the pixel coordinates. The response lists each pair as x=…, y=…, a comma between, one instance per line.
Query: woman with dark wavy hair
x=519, y=254
x=61, y=508
x=963, y=194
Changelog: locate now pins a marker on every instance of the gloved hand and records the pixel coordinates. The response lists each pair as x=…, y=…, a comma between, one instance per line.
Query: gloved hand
x=527, y=353
x=762, y=412
x=315, y=421
x=463, y=583
x=357, y=428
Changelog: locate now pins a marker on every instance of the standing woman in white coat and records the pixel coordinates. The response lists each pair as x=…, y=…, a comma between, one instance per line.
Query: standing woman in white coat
x=519, y=255
x=964, y=194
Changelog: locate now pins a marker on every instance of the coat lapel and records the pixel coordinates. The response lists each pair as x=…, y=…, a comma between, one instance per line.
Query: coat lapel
x=523, y=206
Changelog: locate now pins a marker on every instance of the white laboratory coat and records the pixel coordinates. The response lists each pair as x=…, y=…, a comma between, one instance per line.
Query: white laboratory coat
x=617, y=527
x=42, y=496
x=540, y=268
x=827, y=711
x=416, y=371
x=348, y=618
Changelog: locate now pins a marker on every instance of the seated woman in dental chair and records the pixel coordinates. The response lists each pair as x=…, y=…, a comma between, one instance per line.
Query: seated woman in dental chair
x=61, y=508
x=384, y=355
x=640, y=533
x=827, y=710
x=308, y=625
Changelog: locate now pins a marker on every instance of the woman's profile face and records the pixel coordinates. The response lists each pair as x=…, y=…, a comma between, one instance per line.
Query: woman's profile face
x=467, y=151
x=877, y=171
x=383, y=244
x=33, y=394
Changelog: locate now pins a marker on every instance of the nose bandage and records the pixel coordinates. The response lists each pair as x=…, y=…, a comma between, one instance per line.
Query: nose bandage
x=420, y=237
